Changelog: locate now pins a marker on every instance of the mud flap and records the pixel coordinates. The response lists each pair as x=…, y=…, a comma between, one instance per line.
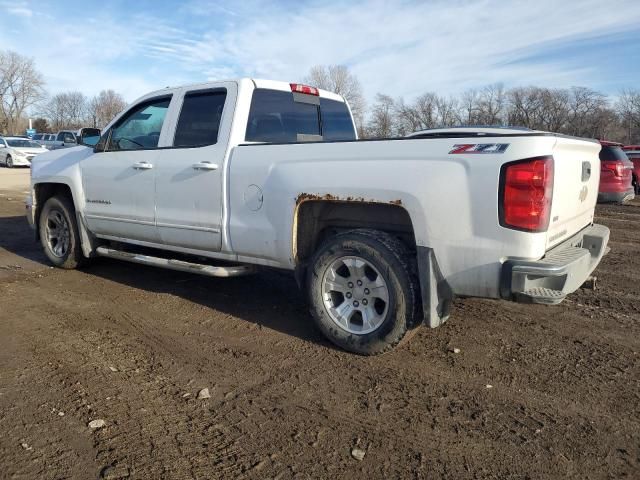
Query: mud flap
x=434, y=290
x=87, y=240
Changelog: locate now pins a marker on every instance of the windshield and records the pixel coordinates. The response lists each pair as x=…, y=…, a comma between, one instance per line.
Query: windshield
x=19, y=143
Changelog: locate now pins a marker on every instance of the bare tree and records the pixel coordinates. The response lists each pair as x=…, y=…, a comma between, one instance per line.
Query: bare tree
x=490, y=105
x=104, y=107
x=66, y=110
x=338, y=79
x=585, y=107
x=21, y=86
x=628, y=110
x=382, y=123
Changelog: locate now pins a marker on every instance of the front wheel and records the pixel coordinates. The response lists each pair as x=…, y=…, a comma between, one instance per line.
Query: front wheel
x=364, y=292
x=9, y=161
x=59, y=233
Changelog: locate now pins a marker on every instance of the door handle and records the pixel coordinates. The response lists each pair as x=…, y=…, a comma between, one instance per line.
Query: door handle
x=142, y=166
x=205, y=166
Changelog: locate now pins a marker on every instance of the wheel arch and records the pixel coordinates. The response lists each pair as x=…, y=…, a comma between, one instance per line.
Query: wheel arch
x=315, y=219
x=42, y=192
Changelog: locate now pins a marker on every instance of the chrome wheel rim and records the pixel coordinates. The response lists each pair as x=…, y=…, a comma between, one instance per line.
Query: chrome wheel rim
x=57, y=233
x=355, y=295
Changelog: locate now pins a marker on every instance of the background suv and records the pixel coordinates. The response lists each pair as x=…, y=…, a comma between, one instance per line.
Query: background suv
x=615, y=174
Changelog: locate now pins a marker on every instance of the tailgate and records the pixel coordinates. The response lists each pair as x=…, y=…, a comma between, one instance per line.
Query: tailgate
x=575, y=187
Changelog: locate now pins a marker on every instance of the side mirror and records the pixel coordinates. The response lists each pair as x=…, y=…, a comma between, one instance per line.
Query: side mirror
x=89, y=136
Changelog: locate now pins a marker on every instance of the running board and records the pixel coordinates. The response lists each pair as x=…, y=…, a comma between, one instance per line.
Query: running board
x=179, y=265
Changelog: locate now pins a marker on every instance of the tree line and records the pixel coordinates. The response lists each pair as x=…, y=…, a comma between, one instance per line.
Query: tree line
x=578, y=111
x=23, y=95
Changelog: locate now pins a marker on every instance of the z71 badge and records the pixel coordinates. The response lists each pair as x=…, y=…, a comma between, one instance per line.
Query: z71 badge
x=480, y=148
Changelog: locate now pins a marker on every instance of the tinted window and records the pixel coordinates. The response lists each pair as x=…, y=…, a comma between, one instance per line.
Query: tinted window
x=612, y=154
x=274, y=117
x=200, y=119
x=140, y=127
x=336, y=121
x=37, y=136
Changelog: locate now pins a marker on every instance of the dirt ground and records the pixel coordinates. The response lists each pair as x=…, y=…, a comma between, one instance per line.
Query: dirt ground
x=534, y=392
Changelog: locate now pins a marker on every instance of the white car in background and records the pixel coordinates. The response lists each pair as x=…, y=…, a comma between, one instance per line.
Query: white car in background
x=18, y=152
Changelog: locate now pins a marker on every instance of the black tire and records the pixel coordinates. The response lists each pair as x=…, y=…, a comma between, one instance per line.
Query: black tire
x=8, y=162
x=73, y=256
x=391, y=258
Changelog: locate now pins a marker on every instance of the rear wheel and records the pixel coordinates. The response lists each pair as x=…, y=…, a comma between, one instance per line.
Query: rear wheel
x=9, y=161
x=59, y=233
x=363, y=291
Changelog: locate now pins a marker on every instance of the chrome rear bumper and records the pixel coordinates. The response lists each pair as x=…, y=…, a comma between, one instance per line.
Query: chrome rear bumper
x=561, y=271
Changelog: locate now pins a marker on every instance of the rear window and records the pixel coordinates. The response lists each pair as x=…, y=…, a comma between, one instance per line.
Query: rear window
x=276, y=118
x=612, y=154
x=200, y=118
x=336, y=121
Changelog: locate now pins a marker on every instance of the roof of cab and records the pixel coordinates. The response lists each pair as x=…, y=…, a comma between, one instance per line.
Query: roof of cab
x=257, y=82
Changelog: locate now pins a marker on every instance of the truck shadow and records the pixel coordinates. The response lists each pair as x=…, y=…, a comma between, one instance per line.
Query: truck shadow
x=270, y=298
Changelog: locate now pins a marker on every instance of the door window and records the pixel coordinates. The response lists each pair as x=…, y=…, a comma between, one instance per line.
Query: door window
x=200, y=118
x=139, y=129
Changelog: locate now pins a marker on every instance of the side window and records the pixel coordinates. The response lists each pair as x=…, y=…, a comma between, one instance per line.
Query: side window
x=336, y=121
x=60, y=137
x=68, y=138
x=140, y=127
x=276, y=118
x=200, y=118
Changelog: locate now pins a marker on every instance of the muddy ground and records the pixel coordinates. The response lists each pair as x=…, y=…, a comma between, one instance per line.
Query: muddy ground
x=535, y=391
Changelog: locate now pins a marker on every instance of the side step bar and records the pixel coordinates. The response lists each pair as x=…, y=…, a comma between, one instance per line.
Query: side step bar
x=179, y=265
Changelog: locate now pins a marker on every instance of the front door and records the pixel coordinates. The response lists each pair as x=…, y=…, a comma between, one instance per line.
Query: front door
x=189, y=176
x=119, y=178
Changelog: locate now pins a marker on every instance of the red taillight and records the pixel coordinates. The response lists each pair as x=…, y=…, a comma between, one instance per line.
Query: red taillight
x=526, y=191
x=306, y=89
x=616, y=167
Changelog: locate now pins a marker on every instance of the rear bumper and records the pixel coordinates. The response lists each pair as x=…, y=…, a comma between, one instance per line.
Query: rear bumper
x=616, y=197
x=561, y=271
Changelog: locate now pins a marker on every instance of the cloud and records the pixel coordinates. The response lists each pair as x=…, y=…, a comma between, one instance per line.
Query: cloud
x=400, y=47
x=20, y=11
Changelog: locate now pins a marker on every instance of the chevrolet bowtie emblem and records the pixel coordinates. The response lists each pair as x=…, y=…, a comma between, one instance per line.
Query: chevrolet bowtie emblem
x=583, y=193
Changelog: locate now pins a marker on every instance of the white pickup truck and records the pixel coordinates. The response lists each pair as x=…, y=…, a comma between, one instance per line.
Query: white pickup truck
x=220, y=178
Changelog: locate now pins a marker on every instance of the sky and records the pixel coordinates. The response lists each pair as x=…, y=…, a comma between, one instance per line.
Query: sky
x=398, y=47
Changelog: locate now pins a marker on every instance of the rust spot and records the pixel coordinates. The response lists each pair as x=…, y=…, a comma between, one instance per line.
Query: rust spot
x=304, y=197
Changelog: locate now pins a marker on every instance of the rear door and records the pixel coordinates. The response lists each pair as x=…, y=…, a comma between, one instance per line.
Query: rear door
x=189, y=176
x=575, y=187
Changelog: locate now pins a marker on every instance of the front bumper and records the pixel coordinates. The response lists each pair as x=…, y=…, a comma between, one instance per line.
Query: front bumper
x=561, y=271
x=616, y=197
x=21, y=161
